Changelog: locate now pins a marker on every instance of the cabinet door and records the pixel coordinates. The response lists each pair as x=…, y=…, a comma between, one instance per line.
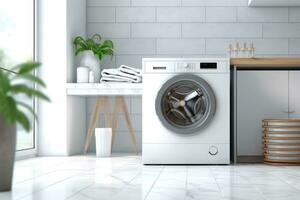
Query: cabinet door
x=294, y=100
x=260, y=95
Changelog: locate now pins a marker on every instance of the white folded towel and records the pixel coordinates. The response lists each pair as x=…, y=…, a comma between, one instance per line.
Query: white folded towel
x=130, y=70
x=112, y=79
x=115, y=75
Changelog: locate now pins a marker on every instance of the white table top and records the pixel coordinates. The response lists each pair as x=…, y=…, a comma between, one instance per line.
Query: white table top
x=104, y=89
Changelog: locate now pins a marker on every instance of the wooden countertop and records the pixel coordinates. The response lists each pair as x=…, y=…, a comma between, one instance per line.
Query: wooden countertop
x=266, y=61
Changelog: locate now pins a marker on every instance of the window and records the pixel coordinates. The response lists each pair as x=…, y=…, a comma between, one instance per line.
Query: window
x=17, y=42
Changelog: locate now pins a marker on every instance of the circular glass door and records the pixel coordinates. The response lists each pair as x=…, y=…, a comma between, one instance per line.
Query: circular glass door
x=185, y=104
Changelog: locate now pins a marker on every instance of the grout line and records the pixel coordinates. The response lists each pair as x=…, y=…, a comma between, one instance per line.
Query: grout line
x=155, y=14
x=181, y=31
x=79, y=191
x=205, y=48
x=193, y=22
x=165, y=6
x=289, y=14
x=41, y=175
x=115, y=15
x=186, y=181
x=154, y=182
x=205, y=13
x=219, y=187
x=262, y=30
x=41, y=189
x=237, y=15
x=156, y=46
x=130, y=27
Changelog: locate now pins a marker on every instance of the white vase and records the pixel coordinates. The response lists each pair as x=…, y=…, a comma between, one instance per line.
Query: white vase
x=88, y=59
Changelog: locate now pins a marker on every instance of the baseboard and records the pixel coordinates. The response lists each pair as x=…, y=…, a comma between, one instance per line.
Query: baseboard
x=250, y=159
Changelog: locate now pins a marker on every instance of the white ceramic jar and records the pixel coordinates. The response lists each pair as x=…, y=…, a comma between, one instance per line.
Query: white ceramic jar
x=91, y=77
x=82, y=74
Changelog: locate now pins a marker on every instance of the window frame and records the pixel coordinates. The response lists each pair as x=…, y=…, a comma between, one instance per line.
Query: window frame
x=32, y=152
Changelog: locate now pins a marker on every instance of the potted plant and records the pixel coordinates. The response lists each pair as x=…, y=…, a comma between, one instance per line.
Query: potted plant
x=13, y=111
x=93, y=50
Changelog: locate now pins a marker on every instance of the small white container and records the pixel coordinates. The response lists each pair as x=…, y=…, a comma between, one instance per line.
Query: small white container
x=82, y=74
x=103, y=137
x=91, y=77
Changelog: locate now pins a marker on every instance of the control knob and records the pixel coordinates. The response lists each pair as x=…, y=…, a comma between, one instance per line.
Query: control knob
x=213, y=150
x=186, y=65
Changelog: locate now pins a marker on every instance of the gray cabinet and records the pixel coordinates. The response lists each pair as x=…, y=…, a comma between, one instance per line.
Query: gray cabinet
x=294, y=94
x=260, y=95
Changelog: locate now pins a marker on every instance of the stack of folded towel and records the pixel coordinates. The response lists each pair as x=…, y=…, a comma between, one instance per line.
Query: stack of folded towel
x=122, y=74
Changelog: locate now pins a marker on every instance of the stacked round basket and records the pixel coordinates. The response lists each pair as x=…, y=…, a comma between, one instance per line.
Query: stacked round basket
x=281, y=141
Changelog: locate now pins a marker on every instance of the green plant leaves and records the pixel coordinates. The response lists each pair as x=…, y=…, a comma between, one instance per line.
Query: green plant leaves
x=16, y=84
x=8, y=108
x=96, y=37
x=79, y=50
x=23, y=120
x=94, y=44
x=80, y=42
x=23, y=89
x=30, y=77
x=4, y=83
x=29, y=108
x=27, y=67
x=108, y=44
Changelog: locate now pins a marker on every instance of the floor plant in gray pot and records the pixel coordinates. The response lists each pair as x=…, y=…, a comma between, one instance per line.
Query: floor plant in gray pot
x=13, y=88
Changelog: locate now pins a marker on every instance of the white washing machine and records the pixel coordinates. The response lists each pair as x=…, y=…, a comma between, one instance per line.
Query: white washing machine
x=186, y=111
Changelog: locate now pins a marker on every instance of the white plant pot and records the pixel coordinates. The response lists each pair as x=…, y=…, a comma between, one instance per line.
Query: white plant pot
x=88, y=59
x=103, y=137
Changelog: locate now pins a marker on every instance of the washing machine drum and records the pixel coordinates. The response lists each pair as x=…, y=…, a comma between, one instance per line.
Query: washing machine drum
x=185, y=104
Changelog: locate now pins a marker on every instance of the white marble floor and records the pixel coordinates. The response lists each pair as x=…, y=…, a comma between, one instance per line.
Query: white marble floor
x=125, y=178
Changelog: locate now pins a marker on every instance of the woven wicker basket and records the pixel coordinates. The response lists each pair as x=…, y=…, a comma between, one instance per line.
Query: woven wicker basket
x=281, y=141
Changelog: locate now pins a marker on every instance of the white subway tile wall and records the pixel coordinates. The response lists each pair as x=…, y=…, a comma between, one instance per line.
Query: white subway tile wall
x=156, y=30
x=294, y=14
x=135, y=14
x=180, y=46
x=221, y=14
x=294, y=46
x=180, y=14
x=185, y=28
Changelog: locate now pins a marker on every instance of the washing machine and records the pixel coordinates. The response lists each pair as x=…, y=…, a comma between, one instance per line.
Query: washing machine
x=186, y=111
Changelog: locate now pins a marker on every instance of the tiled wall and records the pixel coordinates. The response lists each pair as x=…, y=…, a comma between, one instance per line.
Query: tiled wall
x=177, y=28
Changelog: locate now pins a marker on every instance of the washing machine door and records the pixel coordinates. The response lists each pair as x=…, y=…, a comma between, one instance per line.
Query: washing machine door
x=185, y=104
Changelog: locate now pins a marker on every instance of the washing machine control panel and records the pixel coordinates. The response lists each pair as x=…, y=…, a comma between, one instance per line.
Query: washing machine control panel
x=185, y=65
x=200, y=67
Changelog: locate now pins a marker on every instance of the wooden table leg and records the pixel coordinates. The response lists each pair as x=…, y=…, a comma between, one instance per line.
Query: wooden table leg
x=93, y=123
x=120, y=104
x=128, y=123
x=115, y=118
x=106, y=112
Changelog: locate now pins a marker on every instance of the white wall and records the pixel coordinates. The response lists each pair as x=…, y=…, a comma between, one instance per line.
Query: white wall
x=76, y=106
x=56, y=28
x=189, y=28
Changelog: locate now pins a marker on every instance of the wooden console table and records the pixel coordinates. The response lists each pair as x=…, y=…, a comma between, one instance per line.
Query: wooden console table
x=103, y=91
